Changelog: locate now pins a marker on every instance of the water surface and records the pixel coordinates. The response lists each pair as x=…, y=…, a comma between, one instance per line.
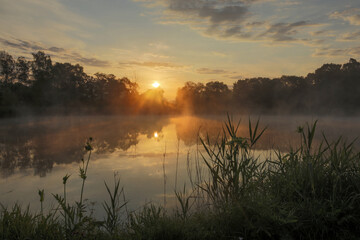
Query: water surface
x=35, y=153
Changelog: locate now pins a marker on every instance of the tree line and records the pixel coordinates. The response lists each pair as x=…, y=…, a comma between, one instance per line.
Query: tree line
x=331, y=89
x=42, y=87
x=39, y=86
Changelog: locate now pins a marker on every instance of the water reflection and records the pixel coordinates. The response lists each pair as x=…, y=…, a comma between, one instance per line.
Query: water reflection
x=40, y=143
x=280, y=131
x=138, y=148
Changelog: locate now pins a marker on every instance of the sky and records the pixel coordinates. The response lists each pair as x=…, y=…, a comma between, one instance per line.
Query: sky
x=175, y=41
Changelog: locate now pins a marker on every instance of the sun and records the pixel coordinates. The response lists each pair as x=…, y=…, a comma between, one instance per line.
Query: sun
x=156, y=84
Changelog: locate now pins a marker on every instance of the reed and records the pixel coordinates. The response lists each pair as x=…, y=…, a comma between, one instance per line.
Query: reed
x=308, y=192
x=177, y=162
x=113, y=208
x=164, y=175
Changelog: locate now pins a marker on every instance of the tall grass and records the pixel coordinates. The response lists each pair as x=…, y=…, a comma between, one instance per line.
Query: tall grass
x=308, y=192
x=320, y=186
x=77, y=223
x=234, y=170
x=18, y=223
x=113, y=209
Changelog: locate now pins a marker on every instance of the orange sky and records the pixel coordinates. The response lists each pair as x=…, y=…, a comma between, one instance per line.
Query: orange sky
x=174, y=41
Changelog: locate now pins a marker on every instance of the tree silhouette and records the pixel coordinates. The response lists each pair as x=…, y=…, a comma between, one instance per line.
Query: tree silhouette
x=23, y=71
x=7, y=67
x=40, y=86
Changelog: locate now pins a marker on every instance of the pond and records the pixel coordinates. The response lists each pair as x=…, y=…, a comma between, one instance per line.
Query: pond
x=151, y=155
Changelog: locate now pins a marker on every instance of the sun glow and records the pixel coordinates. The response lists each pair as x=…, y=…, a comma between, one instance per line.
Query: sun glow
x=156, y=135
x=156, y=84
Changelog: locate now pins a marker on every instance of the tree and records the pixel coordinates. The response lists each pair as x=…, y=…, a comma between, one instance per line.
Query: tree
x=69, y=83
x=117, y=94
x=42, y=73
x=7, y=67
x=41, y=66
x=218, y=94
x=189, y=98
x=350, y=96
x=22, y=70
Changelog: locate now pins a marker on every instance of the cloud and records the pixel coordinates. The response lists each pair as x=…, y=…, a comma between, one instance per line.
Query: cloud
x=225, y=14
x=216, y=71
x=218, y=54
x=52, y=9
x=353, y=36
x=50, y=21
x=210, y=71
x=159, y=46
x=28, y=47
x=208, y=15
x=151, y=64
x=280, y=32
x=337, y=52
x=231, y=20
x=21, y=44
x=221, y=18
x=255, y=24
x=95, y=62
x=313, y=42
x=329, y=52
x=350, y=15
x=323, y=33
x=236, y=77
x=355, y=51
x=287, y=3
x=150, y=55
x=56, y=49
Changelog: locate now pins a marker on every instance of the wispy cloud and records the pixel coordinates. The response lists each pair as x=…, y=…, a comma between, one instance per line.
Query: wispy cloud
x=50, y=21
x=227, y=74
x=236, y=77
x=159, y=46
x=151, y=64
x=218, y=54
x=351, y=15
x=232, y=20
x=56, y=49
x=210, y=11
x=337, y=52
x=353, y=36
x=285, y=31
x=222, y=19
x=89, y=61
x=210, y=71
x=150, y=55
x=323, y=33
x=286, y=3
x=28, y=47
x=22, y=44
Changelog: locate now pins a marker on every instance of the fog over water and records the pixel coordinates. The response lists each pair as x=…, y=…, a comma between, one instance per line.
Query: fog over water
x=36, y=152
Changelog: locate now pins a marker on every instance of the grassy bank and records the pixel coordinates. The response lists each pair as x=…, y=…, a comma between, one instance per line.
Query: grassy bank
x=310, y=192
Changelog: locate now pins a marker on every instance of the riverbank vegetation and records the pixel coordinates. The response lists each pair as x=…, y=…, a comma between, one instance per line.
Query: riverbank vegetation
x=39, y=86
x=309, y=192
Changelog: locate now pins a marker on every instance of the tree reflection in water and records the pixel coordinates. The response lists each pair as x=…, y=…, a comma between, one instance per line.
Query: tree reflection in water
x=39, y=143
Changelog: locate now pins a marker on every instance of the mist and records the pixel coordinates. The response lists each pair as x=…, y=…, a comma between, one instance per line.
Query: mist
x=40, y=87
